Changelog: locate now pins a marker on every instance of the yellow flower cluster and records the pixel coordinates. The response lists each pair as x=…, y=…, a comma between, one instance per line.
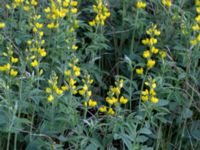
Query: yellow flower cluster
x=196, y=26
x=35, y=45
x=140, y=4
x=167, y=3
x=71, y=75
x=86, y=92
x=114, y=98
x=149, y=94
x=9, y=67
x=2, y=25
x=58, y=10
x=150, y=42
x=53, y=90
x=102, y=14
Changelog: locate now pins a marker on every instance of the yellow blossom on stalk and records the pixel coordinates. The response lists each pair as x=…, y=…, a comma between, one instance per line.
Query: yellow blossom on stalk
x=26, y=8
x=64, y=88
x=13, y=72
x=198, y=19
x=92, y=103
x=154, y=100
x=92, y=23
x=74, y=10
x=146, y=54
x=167, y=3
x=103, y=109
x=154, y=50
x=77, y=71
x=149, y=41
x=50, y=98
x=111, y=111
x=195, y=27
x=152, y=41
x=193, y=42
x=151, y=63
x=74, y=3
x=42, y=52
x=123, y=100
x=14, y=60
x=74, y=47
x=145, y=98
x=139, y=71
x=5, y=67
x=34, y=2
x=34, y=63
x=2, y=25
x=102, y=14
x=48, y=90
x=163, y=54
x=115, y=90
x=140, y=4
x=67, y=72
x=39, y=25
x=111, y=100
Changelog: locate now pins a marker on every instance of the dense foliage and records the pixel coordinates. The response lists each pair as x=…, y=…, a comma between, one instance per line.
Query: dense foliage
x=99, y=74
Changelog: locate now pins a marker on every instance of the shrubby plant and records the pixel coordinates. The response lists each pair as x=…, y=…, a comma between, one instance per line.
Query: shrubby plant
x=99, y=74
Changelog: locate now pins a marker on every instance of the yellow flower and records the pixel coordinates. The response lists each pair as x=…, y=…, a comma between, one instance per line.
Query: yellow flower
x=193, y=42
x=111, y=101
x=72, y=82
x=103, y=109
x=34, y=63
x=2, y=25
x=34, y=2
x=5, y=67
x=13, y=72
x=123, y=100
x=145, y=98
x=66, y=3
x=92, y=23
x=152, y=41
x=74, y=10
x=152, y=92
x=14, y=60
x=151, y=63
x=139, y=71
x=74, y=47
x=92, y=103
x=42, y=52
x=146, y=54
x=111, y=111
x=154, y=99
x=77, y=71
x=146, y=92
x=198, y=18
x=47, y=10
x=167, y=3
x=81, y=92
x=89, y=93
x=64, y=88
x=50, y=98
x=26, y=8
x=58, y=91
x=48, y=90
x=115, y=90
x=39, y=25
x=145, y=41
x=195, y=27
x=141, y=5
x=198, y=9
x=198, y=37
x=154, y=50
x=163, y=54
x=74, y=3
